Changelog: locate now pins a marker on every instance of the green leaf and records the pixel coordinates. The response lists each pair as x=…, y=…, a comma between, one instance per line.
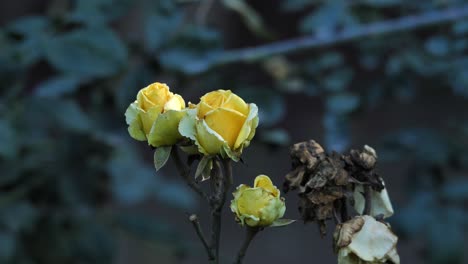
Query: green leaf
x=59, y=86
x=204, y=168
x=161, y=156
x=96, y=52
x=8, y=147
x=282, y=222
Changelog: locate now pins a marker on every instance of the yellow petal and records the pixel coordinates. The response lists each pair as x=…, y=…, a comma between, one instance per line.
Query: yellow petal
x=155, y=94
x=203, y=109
x=175, y=103
x=227, y=123
x=252, y=200
x=248, y=128
x=234, y=102
x=264, y=182
x=216, y=99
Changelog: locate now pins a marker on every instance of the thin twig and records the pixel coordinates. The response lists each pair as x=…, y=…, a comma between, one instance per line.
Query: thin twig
x=368, y=200
x=250, y=234
x=406, y=23
x=196, y=225
x=184, y=171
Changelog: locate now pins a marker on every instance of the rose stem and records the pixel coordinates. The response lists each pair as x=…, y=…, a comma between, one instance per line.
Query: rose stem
x=184, y=171
x=196, y=225
x=368, y=200
x=222, y=184
x=250, y=234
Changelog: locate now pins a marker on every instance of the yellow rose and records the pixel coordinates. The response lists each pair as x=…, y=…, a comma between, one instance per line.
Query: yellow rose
x=222, y=123
x=155, y=115
x=258, y=206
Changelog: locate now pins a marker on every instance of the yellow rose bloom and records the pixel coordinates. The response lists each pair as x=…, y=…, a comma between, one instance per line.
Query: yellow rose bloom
x=259, y=206
x=222, y=123
x=155, y=115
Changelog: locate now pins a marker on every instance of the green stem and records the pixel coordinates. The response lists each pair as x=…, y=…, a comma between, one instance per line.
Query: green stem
x=251, y=232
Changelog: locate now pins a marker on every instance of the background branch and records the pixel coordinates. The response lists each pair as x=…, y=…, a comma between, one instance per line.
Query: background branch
x=299, y=44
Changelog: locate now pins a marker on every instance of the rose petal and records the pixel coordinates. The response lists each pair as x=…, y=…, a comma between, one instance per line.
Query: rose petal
x=247, y=131
x=227, y=123
x=263, y=181
x=236, y=103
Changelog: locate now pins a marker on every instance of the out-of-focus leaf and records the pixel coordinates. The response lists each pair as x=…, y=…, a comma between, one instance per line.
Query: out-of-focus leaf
x=327, y=18
x=459, y=80
x=297, y=5
x=460, y=27
x=133, y=181
x=7, y=246
x=9, y=145
x=336, y=130
x=446, y=241
x=425, y=144
x=96, y=12
x=414, y=218
x=456, y=190
x=438, y=46
x=93, y=52
x=147, y=227
x=337, y=80
x=343, y=103
x=57, y=86
x=135, y=79
x=382, y=3
x=71, y=116
x=94, y=244
x=19, y=217
x=271, y=105
x=159, y=29
x=32, y=33
x=251, y=18
x=276, y=137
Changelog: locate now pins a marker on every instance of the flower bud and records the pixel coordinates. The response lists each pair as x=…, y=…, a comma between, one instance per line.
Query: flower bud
x=155, y=115
x=259, y=206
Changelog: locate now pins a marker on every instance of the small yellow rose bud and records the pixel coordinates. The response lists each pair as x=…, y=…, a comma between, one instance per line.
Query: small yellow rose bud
x=222, y=123
x=259, y=206
x=155, y=115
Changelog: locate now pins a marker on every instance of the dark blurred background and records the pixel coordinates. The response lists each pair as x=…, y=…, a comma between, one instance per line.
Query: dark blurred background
x=75, y=188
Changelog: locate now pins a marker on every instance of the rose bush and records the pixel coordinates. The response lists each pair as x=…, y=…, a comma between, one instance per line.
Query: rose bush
x=258, y=206
x=221, y=123
x=155, y=115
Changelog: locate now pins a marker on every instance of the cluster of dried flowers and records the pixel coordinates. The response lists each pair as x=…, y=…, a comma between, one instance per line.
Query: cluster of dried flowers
x=329, y=184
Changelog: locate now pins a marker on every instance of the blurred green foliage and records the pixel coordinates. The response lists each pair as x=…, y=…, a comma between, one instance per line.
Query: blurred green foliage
x=67, y=76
